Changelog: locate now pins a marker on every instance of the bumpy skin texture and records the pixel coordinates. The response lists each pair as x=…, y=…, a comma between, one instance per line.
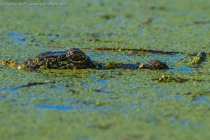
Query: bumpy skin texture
x=70, y=59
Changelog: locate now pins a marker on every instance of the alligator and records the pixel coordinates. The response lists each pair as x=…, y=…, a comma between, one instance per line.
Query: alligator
x=74, y=58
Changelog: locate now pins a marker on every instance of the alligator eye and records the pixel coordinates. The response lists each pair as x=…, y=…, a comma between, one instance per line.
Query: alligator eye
x=76, y=57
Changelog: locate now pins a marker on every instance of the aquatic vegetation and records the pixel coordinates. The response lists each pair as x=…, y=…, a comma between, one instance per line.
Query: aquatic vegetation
x=108, y=16
x=110, y=65
x=103, y=103
x=10, y=63
x=168, y=78
x=199, y=58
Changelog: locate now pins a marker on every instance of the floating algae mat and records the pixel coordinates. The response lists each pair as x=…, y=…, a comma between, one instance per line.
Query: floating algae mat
x=117, y=103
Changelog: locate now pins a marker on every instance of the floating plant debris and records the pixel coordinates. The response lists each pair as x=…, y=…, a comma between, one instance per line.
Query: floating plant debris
x=167, y=78
x=34, y=84
x=199, y=58
x=201, y=22
x=10, y=63
x=108, y=16
x=157, y=8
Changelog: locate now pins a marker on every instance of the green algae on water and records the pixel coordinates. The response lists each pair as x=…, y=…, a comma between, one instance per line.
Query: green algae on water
x=92, y=104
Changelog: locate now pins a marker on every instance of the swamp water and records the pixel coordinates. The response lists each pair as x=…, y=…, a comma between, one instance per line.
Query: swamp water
x=118, y=104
